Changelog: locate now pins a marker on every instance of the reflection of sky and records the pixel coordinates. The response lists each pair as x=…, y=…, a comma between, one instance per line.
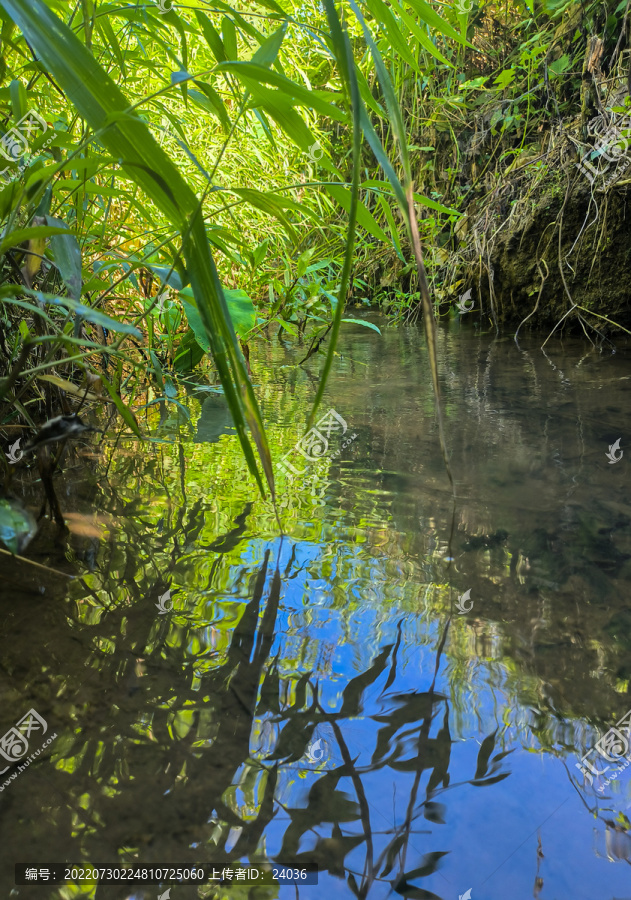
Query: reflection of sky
x=489, y=833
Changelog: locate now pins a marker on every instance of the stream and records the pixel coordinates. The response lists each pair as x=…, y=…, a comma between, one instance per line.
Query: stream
x=402, y=691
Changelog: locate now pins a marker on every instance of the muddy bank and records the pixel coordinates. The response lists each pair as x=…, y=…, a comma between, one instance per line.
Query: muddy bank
x=565, y=250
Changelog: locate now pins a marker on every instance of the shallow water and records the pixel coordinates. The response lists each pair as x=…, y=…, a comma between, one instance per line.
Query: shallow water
x=320, y=697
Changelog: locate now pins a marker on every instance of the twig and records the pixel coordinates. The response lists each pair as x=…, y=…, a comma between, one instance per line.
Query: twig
x=38, y=565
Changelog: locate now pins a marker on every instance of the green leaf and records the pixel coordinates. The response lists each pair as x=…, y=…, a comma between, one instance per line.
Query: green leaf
x=432, y=18
x=392, y=104
x=179, y=77
x=505, y=78
x=280, y=108
x=67, y=257
x=195, y=321
x=303, y=262
x=15, y=238
x=105, y=27
x=85, y=312
x=561, y=65
x=382, y=159
x=188, y=353
x=267, y=53
x=384, y=15
x=251, y=74
x=422, y=37
x=240, y=307
x=123, y=409
x=229, y=37
x=211, y=102
x=272, y=204
x=19, y=101
x=242, y=311
x=342, y=50
x=364, y=323
x=213, y=38
x=364, y=217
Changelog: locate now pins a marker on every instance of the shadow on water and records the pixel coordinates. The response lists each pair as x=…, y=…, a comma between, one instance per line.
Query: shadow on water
x=221, y=694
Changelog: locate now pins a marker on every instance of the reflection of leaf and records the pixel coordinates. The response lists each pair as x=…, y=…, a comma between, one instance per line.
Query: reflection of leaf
x=329, y=853
x=225, y=543
x=415, y=893
x=435, y=812
x=428, y=866
x=486, y=749
x=441, y=756
x=484, y=781
x=393, y=665
x=410, y=708
x=356, y=686
x=324, y=804
x=270, y=692
x=301, y=692
x=293, y=740
x=17, y=525
x=391, y=855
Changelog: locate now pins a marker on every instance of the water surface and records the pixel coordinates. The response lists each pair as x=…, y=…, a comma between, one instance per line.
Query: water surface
x=318, y=696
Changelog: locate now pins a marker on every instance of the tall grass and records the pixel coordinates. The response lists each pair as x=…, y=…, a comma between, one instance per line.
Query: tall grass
x=194, y=148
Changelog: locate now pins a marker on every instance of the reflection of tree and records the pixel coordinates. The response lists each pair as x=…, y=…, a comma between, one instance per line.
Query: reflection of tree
x=614, y=842
x=404, y=745
x=169, y=760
